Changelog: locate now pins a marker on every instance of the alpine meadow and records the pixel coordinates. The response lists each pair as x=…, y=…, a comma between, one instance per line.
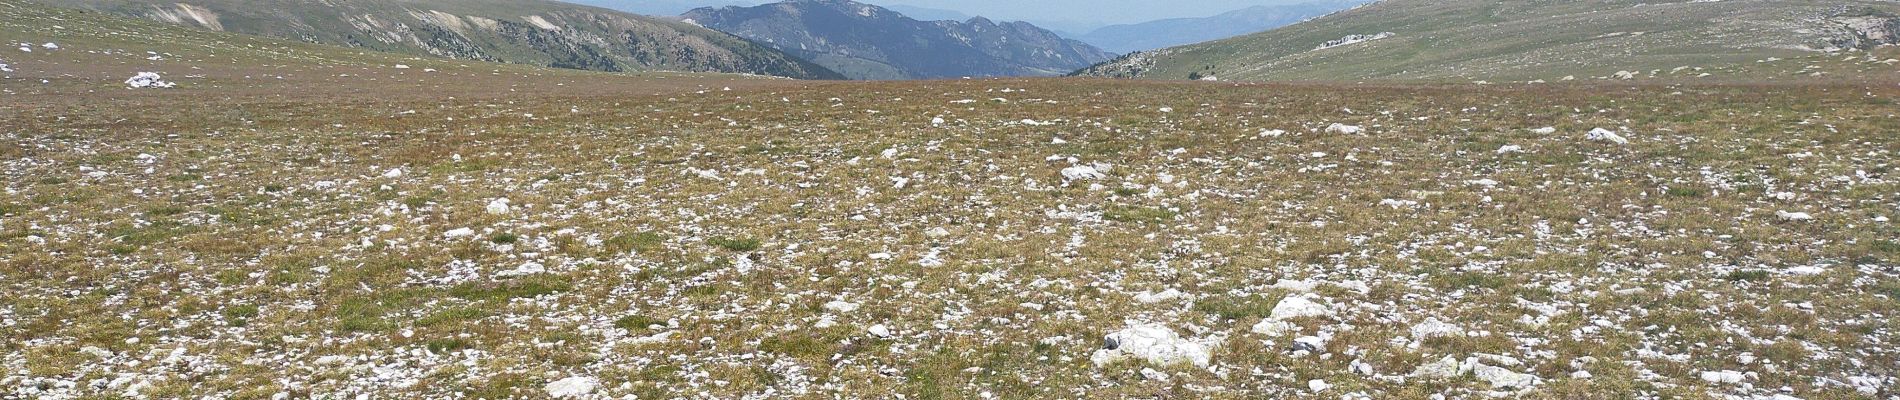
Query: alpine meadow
x=1402, y=199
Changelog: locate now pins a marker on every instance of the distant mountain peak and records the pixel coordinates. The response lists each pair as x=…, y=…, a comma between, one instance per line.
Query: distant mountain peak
x=865, y=41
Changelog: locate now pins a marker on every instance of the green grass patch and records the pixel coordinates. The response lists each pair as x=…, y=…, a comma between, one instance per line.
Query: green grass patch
x=452, y=316
x=735, y=244
x=811, y=346
x=1686, y=192
x=645, y=242
x=1235, y=308
x=447, y=345
x=1138, y=214
x=637, y=323
x=512, y=289
x=1747, y=276
x=240, y=315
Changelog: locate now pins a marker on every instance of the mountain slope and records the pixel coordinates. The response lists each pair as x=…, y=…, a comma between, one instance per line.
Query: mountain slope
x=929, y=14
x=869, y=42
x=531, y=32
x=1501, y=40
x=662, y=7
x=1179, y=31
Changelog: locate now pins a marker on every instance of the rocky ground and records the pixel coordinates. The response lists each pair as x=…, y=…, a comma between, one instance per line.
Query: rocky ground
x=266, y=220
x=969, y=239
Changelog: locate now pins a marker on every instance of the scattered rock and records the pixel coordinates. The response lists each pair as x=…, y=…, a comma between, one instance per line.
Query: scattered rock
x=1432, y=328
x=841, y=306
x=1501, y=378
x=1299, y=307
x=1724, y=376
x=1082, y=173
x=572, y=387
x=148, y=80
x=1318, y=385
x=1444, y=368
x=1155, y=344
x=1272, y=328
x=1345, y=129
x=1165, y=295
x=880, y=331
x=528, y=268
x=1310, y=344
x=1605, y=135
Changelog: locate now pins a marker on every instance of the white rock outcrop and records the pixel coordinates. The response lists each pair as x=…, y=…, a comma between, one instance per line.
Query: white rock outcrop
x=148, y=80
x=572, y=387
x=1082, y=173
x=1156, y=345
x=1605, y=135
x=1299, y=307
x=1432, y=328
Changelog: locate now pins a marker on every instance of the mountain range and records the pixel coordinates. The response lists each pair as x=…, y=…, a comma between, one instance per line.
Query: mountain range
x=534, y=32
x=863, y=41
x=1527, y=39
x=663, y=7
x=1157, y=34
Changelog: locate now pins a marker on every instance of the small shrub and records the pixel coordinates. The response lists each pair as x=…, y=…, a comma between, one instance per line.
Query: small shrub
x=503, y=291
x=1747, y=276
x=636, y=323
x=1686, y=192
x=447, y=345
x=739, y=245
x=1235, y=308
x=1138, y=214
x=240, y=315
x=643, y=241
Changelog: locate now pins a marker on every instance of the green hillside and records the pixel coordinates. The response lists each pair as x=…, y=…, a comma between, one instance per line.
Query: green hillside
x=540, y=33
x=1547, y=40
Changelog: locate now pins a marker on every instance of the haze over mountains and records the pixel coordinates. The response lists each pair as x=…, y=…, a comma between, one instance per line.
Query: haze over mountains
x=863, y=41
x=837, y=39
x=533, y=32
x=1157, y=34
x=1528, y=40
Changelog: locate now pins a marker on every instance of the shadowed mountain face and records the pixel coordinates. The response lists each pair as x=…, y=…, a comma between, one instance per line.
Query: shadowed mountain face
x=864, y=41
x=514, y=31
x=1179, y=31
x=1529, y=40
